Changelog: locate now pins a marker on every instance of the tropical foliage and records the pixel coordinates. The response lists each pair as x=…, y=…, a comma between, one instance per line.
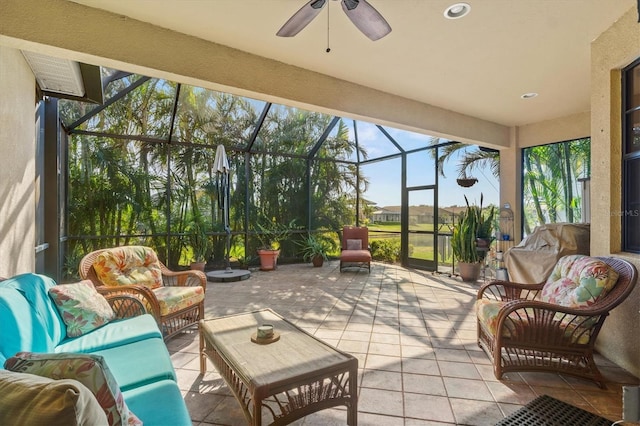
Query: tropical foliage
x=316, y=246
x=138, y=176
x=551, y=190
x=473, y=223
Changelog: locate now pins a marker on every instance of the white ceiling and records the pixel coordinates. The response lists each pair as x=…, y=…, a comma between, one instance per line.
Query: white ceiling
x=479, y=65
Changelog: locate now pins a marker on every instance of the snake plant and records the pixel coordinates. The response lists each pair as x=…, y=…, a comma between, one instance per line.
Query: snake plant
x=471, y=224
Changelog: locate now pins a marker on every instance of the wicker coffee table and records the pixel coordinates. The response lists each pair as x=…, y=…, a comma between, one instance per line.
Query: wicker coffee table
x=279, y=382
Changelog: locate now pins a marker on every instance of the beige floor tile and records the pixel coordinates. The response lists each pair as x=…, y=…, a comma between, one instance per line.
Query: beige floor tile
x=459, y=369
x=387, y=349
x=519, y=394
x=428, y=407
x=467, y=389
x=377, y=401
x=420, y=366
x=475, y=413
x=381, y=362
x=380, y=379
x=353, y=346
x=419, y=383
x=422, y=351
x=457, y=355
x=368, y=419
x=363, y=336
x=407, y=329
x=392, y=339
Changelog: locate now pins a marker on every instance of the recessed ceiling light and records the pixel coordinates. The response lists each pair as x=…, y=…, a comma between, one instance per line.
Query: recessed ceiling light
x=529, y=95
x=457, y=11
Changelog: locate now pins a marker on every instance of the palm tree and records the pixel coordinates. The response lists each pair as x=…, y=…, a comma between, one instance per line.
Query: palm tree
x=473, y=158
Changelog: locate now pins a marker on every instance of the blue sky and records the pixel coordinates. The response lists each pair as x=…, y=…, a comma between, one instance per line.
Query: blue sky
x=384, y=177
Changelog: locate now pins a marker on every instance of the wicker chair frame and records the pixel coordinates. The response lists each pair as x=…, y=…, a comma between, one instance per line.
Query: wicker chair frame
x=171, y=324
x=535, y=336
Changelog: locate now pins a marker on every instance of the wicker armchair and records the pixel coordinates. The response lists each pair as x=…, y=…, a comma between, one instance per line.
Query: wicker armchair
x=175, y=299
x=520, y=331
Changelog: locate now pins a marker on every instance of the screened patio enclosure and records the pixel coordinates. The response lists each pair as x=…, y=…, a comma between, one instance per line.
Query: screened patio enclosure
x=139, y=170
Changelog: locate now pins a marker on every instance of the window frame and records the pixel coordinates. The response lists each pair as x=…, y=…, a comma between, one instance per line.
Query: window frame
x=630, y=216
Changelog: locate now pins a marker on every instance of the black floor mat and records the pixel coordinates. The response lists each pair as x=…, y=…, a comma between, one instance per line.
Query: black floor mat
x=548, y=411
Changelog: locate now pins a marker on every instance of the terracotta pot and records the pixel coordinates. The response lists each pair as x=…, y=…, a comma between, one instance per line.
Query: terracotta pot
x=268, y=259
x=469, y=272
x=317, y=261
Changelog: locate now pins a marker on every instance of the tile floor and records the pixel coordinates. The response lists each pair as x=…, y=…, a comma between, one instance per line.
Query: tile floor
x=414, y=335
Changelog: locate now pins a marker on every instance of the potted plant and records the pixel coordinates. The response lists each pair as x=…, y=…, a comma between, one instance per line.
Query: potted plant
x=472, y=224
x=486, y=221
x=315, y=248
x=199, y=242
x=271, y=234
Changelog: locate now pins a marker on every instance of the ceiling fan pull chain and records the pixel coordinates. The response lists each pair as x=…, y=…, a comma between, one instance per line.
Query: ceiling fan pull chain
x=328, y=17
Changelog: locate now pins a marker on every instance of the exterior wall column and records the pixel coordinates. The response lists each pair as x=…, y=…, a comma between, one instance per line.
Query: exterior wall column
x=511, y=182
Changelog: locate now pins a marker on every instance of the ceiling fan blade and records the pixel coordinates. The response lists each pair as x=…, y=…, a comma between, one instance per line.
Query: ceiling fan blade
x=301, y=18
x=366, y=18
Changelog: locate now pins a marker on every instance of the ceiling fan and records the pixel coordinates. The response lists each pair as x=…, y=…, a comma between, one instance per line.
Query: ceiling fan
x=364, y=16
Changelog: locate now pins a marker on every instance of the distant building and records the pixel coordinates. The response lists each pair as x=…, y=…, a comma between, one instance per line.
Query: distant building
x=386, y=215
x=417, y=214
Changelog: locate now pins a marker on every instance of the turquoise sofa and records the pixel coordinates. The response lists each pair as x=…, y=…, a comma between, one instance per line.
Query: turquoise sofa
x=133, y=348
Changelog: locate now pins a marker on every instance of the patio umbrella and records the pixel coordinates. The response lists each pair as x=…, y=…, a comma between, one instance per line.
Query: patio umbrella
x=221, y=167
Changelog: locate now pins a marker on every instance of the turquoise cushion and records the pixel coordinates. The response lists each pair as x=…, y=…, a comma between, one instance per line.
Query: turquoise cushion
x=139, y=363
x=28, y=316
x=158, y=403
x=114, y=334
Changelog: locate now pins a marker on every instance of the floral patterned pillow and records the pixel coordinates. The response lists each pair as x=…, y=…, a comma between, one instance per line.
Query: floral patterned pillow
x=129, y=265
x=81, y=307
x=90, y=370
x=578, y=281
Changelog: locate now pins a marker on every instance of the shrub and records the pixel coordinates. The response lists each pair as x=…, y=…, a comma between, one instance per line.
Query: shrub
x=386, y=250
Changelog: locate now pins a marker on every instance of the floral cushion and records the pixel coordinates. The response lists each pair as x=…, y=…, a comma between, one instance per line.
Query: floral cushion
x=129, y=265
x=90, y=370
x=487, y=312
x=81, y=307
x=173, y=299
x=578, y=281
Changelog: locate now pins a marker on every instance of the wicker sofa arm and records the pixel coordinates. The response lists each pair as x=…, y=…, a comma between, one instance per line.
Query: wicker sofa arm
x=125, y=305
x=188, y=278
x=144, y=294
x=508, y=291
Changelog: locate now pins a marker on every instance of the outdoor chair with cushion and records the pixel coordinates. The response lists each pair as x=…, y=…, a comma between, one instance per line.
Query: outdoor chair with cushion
x=355, y=247
x=552, y=326
x=175, y=299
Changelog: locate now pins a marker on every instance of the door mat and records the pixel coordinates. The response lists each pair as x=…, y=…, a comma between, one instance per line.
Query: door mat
x=548, y=411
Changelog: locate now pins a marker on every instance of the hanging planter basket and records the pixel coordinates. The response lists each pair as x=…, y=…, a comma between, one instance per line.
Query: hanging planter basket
x=466, y=182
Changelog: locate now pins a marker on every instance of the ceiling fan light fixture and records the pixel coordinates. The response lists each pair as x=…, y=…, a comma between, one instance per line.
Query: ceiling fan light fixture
x=457, y=10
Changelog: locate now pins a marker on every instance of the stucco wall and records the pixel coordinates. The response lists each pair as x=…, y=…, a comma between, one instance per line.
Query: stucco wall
x=558, y=130
x=614, y=49
x=17, y=164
